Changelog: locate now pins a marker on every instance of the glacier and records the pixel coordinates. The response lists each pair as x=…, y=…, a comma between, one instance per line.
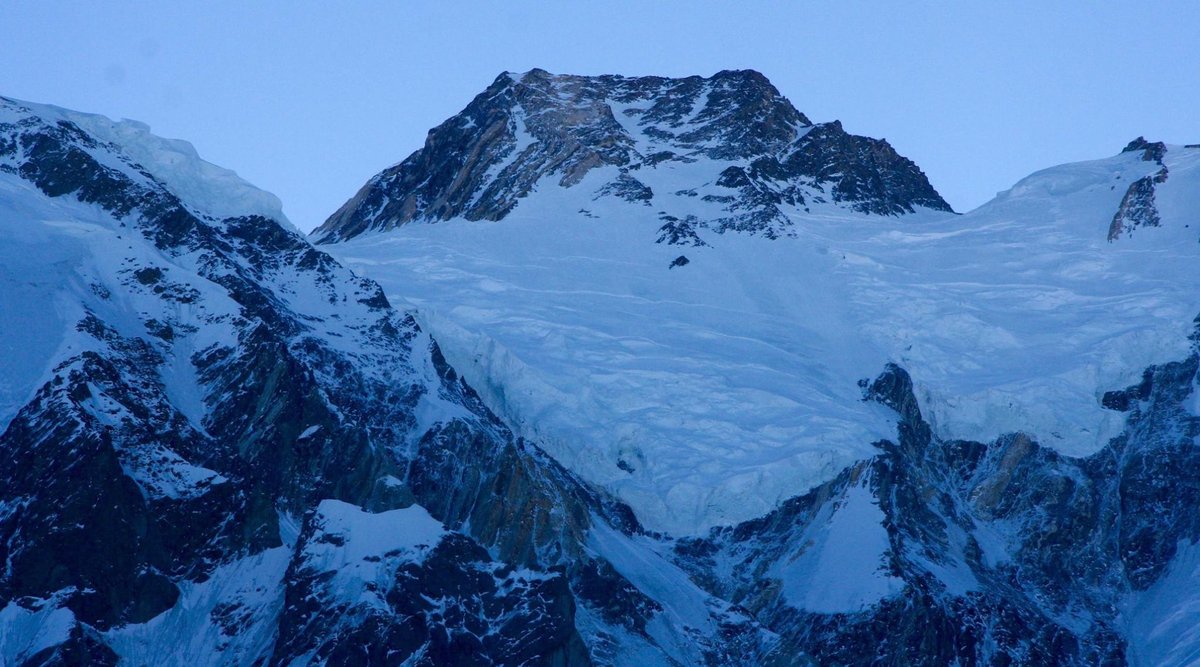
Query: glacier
x=705, y=394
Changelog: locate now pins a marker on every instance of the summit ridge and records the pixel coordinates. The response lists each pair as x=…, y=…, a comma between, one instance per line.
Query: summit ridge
x=732, y=136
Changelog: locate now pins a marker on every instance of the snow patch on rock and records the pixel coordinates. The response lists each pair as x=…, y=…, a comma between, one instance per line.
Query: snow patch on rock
x=841, y=567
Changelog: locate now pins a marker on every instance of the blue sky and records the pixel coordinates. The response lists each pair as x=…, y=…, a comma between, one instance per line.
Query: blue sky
x=308, y=100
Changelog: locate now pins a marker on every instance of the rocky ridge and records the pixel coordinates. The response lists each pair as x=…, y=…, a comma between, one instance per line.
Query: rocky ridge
x=731, y=135
x=1137, y=207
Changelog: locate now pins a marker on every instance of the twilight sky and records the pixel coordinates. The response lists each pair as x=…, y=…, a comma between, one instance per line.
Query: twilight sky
x=309, y=100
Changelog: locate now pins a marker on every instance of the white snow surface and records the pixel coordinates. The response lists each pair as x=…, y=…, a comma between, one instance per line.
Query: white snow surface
x=246, y=595
x=35, y=262
x=687, y=610
x=26, y=632
x=361, y=550
x=62, y=258
x=1163, y=622
x=704, y=394
x=408, y=532
x=840, y=566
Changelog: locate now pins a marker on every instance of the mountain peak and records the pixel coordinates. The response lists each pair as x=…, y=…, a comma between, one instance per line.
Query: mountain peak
x=1152, y=151
x=733, y=133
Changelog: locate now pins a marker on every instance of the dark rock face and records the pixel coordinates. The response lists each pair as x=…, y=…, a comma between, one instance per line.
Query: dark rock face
x=865, y=173
x=65, y=463
x=676, y=231
x=628, y=188
x=1137, y=208
x=525, y=129
x=1152, y=151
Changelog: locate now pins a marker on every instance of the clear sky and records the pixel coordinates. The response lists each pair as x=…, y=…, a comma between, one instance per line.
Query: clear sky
x=308, y=100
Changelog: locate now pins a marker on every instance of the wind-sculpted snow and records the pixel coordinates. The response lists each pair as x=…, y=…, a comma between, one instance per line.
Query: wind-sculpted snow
x=207, y=189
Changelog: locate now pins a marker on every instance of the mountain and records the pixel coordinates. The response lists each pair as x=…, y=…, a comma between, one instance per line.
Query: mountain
x=731, y=139
x=221, y=447
x=712, y=374
x=872, y=431
x=705, y=393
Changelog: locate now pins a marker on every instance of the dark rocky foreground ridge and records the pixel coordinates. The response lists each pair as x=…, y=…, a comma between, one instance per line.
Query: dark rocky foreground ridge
x=341, y=496
x=538, y=127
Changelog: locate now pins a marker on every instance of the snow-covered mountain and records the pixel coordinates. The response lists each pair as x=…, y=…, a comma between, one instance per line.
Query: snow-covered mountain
x=705, y=393
x=759, y=400
x=709, y=371
x=221, y=447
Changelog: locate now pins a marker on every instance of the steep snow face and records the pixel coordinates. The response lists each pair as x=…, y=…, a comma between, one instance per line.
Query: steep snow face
x=703, y=393
x=231, y=617
x=1162, y=621
x=36, y=261
x=840, y=566
x=24, y=633
x=730, y=139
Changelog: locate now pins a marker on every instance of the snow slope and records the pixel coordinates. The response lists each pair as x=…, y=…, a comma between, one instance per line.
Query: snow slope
x=703, y=394
x=1162, y=621
x=841, y=567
